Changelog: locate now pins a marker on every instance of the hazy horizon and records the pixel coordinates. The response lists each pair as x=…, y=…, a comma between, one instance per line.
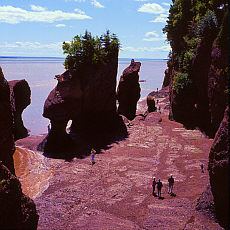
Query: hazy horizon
x=128, y=58
x=39, y=28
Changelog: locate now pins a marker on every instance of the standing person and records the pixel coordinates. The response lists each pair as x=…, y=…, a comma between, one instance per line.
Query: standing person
x=202, y=167
x=171, y=183
x=154, y=185
x=92, y=156
x=48, y=128
x=159, y=187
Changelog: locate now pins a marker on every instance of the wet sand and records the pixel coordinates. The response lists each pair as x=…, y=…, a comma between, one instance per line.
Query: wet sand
x=33, y=171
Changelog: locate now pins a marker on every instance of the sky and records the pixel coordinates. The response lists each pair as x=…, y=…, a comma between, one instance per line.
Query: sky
x=37, y=28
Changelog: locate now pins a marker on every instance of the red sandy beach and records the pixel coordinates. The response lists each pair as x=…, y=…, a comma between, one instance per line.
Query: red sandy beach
x=116, y=192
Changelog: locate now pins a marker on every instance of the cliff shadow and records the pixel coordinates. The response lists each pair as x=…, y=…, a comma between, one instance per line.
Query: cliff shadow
x=85, y=133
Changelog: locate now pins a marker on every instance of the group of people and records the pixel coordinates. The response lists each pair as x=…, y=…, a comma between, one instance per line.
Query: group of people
x=159, y=186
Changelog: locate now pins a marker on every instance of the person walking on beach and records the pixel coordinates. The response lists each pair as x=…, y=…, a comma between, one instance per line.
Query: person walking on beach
x=154, y=185
x=202, y=167
x=159, y=187
x=159, y=109
x=92, y=156
x=171, y=183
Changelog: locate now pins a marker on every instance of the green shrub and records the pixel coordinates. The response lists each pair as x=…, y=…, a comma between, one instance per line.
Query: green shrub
x=89, y=50
x=180, y=81
x=192, y=42
x=207, y=25
x=187, y=62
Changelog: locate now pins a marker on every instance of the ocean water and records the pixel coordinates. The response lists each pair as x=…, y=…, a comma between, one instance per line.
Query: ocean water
x=40, y=72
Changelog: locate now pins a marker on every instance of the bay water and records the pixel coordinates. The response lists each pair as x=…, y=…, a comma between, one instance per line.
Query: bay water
x=40, y=73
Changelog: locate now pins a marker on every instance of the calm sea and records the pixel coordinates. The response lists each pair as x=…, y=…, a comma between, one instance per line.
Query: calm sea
x=40, y=72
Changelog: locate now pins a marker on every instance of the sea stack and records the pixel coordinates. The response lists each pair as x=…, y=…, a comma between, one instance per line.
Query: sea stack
x=128, y=91
x=87, y=97
x=20, y=94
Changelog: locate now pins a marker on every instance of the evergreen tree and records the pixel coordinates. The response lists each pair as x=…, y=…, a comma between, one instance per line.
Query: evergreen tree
x=89, y=50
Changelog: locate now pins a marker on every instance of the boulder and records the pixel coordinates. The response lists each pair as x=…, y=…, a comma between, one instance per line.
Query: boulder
x=219, y=170
x=154, y=118
x=151, y=103
x=20, y=98
x=7, y=146
x=17, y=211
x=128, y=91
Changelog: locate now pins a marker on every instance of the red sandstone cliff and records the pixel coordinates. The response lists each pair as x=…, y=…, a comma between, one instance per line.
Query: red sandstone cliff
x=17, y=211
x=128, y=91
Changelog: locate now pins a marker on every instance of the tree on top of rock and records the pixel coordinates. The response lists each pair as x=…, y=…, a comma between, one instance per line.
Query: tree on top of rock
x=88, y=50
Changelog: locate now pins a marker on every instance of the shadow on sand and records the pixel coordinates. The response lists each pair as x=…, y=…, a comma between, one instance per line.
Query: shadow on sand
x=173, y=194
x=82, y=138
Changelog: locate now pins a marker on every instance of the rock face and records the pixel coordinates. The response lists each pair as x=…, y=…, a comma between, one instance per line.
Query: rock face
x=217, y=86
x=7, y=147
x=87, y=97
x=20, y=98
x=219, y=170
x=166, y=81
x=202, y=104
x=128, y=91
x=182, y=106
x=200, y=69
x=17, y=211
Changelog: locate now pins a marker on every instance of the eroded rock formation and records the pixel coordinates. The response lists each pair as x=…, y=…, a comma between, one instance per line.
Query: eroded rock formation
x=87, y=97
x=20, y=98
x=219, y=170
x=128, y=91
x=7, y=147
x=17, y=211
